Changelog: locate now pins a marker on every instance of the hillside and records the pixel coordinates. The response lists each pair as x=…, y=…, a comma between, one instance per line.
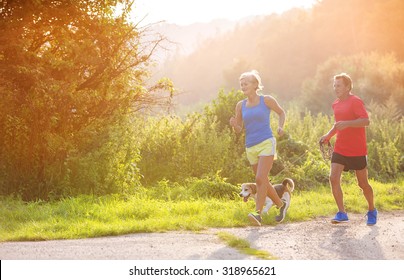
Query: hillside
x=286, y=49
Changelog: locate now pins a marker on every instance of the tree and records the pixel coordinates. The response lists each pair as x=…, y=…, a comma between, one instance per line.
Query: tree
x=71, y=72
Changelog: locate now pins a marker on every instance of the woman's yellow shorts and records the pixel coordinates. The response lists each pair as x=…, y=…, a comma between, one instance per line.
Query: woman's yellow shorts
x=265, y=148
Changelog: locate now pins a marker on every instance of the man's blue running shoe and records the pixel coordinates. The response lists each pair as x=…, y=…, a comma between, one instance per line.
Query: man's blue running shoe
x=372, y=217
x=341, y=217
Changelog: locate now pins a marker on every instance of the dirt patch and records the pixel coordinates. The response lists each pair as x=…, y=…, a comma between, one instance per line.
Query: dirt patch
x=314, y=240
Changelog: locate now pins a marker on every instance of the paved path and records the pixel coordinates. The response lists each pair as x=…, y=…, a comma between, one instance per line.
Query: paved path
x=313, y=240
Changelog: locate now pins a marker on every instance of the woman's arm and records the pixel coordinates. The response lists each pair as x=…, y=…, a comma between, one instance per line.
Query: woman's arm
x=237, y=121
x=274, y=105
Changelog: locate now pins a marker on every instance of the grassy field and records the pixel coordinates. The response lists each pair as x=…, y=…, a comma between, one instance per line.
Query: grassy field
x=88, y=216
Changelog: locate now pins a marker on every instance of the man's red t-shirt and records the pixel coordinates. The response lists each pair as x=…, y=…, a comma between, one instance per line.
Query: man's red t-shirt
x=350, y=141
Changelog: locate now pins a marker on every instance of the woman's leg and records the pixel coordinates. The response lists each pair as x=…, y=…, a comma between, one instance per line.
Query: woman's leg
x=264, y=187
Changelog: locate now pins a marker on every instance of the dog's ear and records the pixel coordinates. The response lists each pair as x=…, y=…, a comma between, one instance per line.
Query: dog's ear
x=253, y=188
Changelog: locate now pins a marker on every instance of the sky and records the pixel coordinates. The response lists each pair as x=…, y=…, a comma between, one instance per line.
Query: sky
x=184, y=12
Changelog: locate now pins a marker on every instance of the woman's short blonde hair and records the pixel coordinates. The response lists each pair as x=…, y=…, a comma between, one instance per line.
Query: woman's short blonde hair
x=254, y=74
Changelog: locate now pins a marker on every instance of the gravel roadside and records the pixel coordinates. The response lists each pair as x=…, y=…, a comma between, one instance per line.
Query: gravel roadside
x=313, y=240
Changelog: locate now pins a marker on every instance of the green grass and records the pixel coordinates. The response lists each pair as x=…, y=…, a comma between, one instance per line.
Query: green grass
x=244, y=246
x=88, y=216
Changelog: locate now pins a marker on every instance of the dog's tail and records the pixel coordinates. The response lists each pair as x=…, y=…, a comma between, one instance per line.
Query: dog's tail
x=289, y=184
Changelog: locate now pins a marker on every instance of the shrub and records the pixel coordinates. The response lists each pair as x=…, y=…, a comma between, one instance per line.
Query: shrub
x=212, y=187
x=191, y=188
x=200, y=145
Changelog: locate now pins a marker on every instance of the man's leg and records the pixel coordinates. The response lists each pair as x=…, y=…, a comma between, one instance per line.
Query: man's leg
x=362, y=177
x=335, y=182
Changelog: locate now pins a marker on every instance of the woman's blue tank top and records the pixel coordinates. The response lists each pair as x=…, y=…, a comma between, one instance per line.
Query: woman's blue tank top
x=257, y=122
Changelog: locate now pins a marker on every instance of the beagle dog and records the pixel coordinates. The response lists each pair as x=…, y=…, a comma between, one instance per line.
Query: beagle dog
x=283, y=190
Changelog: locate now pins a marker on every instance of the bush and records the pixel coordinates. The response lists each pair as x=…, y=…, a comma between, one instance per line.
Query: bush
x=182, y=150
x=385, y=140
x=191, y=188
x=212, y=187
x=176, y=149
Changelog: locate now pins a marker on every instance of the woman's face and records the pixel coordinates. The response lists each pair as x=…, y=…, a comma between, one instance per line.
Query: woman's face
x=248, y=85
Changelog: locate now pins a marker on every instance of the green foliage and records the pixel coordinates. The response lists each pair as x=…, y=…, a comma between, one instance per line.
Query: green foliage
x=71, y=72
x=107, y=164
x=386, y=140
x=299, y=156
x=223, y=107
x=192, y=188
x=72, y=77
x=215, y=187
x=202, y=145
x=176, y=149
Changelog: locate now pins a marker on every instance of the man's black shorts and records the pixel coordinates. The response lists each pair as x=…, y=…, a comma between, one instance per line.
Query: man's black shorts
x=350, y=163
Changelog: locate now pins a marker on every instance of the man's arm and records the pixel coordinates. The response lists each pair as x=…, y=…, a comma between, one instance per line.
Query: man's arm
x=354, y=123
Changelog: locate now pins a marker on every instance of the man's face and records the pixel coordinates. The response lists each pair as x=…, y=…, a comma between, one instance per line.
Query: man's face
x=341, y=90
